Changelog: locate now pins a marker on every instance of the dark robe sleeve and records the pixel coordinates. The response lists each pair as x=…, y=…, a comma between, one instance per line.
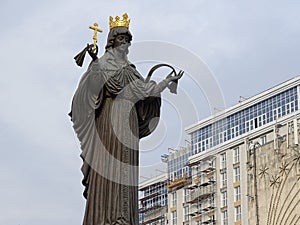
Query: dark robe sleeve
x=147, y=97
x=129, y=84
x=148, y=111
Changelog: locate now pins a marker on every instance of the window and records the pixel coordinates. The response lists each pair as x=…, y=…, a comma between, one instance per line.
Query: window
x=186, y=213
x=211, y=200
x=186, y=195
x=245, y=120
x=236, y=155
x=224, y=179
x=237, y=193
x=224, y=198
x=263, y=140
x=199, y=207
x=212, y=219
x=174, y=217
x=223, y=161
x=174, y=199
x=236, y=174
x=224, y=218
x=237, y=213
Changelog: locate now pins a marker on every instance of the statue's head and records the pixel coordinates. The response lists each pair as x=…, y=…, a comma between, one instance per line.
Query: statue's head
x=118, y=27
x=114, y=32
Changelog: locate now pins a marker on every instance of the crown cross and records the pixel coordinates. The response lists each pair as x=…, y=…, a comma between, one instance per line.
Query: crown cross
x=119, y=23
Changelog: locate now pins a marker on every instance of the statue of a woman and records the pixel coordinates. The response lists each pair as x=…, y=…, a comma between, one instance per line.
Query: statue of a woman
x=112, y=109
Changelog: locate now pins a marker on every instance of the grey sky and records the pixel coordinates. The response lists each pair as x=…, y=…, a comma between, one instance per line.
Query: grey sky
x=249, y=46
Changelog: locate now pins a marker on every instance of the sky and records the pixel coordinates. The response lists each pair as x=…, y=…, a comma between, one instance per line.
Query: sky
x=227, y=49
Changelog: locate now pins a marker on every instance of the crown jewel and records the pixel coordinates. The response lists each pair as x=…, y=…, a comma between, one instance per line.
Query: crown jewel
x=119, y=23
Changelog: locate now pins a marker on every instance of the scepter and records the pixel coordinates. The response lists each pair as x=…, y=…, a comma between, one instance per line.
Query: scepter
x=79, y=58
x=96, y=29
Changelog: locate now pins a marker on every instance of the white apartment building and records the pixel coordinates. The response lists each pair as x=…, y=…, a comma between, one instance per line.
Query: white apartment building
x=153, y=201
x=238, y=162
x=179, y=177
x=224, y=189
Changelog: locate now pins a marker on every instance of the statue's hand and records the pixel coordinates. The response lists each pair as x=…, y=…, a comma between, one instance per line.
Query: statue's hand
x=92, y=51
x=176, y=77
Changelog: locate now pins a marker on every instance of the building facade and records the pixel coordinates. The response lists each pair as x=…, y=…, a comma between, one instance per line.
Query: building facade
x=153, y=201
x=241, y=144
x=243, y=164
x=274, y=176
x=179, y=178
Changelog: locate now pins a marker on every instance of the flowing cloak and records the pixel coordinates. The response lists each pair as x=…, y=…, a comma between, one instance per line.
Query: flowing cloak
x=112, y=108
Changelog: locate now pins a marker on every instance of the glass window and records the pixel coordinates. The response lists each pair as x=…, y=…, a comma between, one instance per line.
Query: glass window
x=174, y=199
x=238, y=213
x=224, y=218
x=243, y=121
x=236, y=174
x=224, y=198
x=236, y=155
x=224, y=179
x=186, y=195
x=237, y=193
x=223, y=160
x=263, y=139
x=186, y=213
x=174, y=217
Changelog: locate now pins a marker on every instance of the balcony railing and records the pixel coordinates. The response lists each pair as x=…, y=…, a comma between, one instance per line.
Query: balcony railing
x=201, y=193
x=178, y=181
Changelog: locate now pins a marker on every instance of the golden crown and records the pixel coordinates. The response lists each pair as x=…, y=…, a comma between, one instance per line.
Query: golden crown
x=119, y=23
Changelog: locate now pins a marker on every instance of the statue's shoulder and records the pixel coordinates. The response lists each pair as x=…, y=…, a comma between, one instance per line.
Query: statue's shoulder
x=106, y=63
x=98, y=64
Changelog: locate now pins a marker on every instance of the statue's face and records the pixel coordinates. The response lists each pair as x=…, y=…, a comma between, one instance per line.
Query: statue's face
x=122, y=42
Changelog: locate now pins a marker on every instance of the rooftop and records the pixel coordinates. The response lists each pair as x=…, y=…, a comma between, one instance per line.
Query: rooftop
x=244, y=104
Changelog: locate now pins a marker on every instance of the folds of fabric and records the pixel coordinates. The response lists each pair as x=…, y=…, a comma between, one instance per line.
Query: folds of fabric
x=113, y=107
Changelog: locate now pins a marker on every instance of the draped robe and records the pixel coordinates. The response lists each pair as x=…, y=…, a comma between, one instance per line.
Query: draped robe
x=112, y=109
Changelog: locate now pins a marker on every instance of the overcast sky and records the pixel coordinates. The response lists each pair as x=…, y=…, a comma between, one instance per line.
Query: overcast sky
x=243, y=47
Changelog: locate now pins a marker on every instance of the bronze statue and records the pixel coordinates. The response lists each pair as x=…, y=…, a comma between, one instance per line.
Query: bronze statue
x=112, y=109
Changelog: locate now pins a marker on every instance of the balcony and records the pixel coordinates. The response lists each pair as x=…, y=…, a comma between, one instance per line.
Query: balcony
x=208, y=168
x=152, y=208
x=202, y=193
x=208, y=182
x=153, y=220
x=196, y=212
x=178, y=181
x=149, y=196
x=209, y=221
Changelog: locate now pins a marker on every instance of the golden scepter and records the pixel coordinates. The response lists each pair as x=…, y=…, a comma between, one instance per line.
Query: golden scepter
x=80, y=57
x=96, y=30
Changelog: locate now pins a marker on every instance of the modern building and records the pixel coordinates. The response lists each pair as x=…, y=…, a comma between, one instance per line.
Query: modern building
x=225, y=151
x=243, y=166
x=179, y=178
x=153, y=201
